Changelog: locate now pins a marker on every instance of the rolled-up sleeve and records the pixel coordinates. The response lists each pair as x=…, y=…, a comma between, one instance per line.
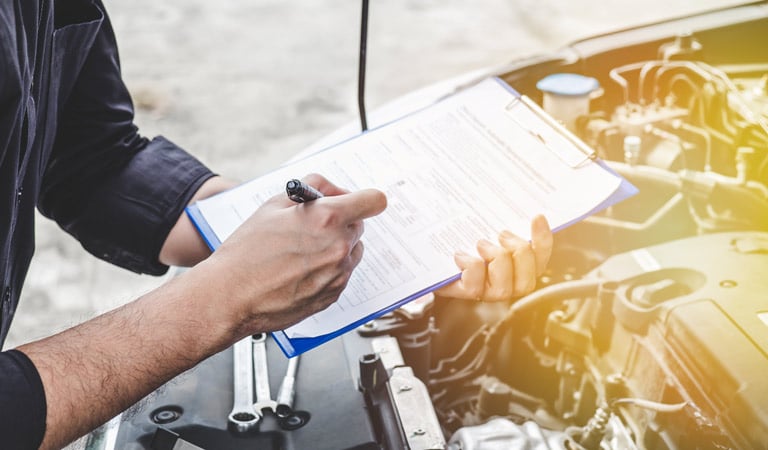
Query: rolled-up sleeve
x=126, y=217
x=22, y=415
x=118, y=193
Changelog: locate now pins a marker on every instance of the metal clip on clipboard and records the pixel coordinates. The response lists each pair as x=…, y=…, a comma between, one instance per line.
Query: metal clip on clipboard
x=555, y=137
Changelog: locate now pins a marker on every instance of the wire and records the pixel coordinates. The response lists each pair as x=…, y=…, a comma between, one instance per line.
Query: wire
x=650, y=405
x=548, y=296
x=554, y=294
x=361, y=67
x=448, y=371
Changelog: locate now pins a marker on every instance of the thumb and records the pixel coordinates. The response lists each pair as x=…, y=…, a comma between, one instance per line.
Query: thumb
x=358, y=205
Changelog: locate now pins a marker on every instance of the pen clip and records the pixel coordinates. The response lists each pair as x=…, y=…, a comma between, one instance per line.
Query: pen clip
x=573, y=151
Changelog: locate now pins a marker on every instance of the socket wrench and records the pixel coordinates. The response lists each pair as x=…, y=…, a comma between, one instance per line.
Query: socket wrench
x=243, y=417
x=288, y=418
x=287, y=389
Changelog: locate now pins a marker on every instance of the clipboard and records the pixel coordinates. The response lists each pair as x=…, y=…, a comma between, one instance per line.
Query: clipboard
x=292, y=346
x=554, y=131
x=489, y=102
x=576, y=156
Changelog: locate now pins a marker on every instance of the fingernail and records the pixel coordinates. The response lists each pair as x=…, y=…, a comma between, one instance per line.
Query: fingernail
x=540, y=220
x=482, y=244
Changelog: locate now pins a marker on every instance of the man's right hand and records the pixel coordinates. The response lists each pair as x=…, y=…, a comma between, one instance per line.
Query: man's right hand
x=284, y=263
x=288, y=260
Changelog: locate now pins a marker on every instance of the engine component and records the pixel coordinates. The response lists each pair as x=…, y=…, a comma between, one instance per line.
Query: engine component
x=567, y=96
x=669, y=323
x=398, y=401
x=502, y=434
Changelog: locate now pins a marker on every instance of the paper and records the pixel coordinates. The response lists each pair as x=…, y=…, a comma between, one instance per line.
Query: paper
x=463, y=169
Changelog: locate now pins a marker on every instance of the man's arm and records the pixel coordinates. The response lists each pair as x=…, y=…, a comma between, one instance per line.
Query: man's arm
x=284, y=263
x=118, y=193
x=184, y=246
x=93, y=371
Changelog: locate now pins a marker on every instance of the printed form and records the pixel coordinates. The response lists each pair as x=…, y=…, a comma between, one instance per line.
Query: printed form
x=458, y=171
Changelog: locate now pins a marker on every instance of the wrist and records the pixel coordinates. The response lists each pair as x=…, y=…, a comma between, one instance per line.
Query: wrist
x=204, y=296
x=184, y=246
x=212, y=186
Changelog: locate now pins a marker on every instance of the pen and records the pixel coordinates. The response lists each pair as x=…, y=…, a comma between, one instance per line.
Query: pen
x=300, y=192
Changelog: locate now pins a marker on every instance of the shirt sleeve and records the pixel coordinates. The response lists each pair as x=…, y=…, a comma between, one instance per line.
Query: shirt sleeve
x=115, y=191
x=22, y=415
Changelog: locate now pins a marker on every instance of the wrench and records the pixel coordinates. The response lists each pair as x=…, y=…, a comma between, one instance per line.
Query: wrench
x=263, y=394
x=243, y=417
x=287, y=391
x=288, y=419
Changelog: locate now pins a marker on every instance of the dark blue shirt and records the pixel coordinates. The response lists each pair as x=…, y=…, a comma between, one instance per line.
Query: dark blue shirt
x=68, y=146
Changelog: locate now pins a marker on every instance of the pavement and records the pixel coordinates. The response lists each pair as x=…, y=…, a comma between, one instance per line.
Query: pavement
x=246, y=84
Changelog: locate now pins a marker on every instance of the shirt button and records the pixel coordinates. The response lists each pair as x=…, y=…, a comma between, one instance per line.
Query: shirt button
x=18, y=195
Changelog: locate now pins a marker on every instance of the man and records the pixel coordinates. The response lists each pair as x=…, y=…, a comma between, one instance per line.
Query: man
x=68, y=146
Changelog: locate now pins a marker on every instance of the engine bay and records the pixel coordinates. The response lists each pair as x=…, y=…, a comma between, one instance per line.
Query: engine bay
x=649, y=329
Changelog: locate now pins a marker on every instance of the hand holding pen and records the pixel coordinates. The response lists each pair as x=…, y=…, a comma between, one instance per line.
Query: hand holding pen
x=300, y=258
x=301, y=192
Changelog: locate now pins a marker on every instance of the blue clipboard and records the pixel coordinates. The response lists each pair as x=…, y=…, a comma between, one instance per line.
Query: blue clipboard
x=297, y=345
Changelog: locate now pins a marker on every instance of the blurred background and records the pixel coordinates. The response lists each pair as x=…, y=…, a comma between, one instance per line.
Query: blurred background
x=244, y=85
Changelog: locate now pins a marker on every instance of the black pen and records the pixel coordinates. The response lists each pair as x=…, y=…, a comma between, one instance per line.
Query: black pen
x=301, y=192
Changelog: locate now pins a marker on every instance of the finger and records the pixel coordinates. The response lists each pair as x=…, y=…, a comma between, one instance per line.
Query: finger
x=343, y=272
x=356, y=230
x=356, y=255
x=472, y=282
x=524, y=261
x=541, y=242
x=278, y=201
x=323, y=185
x=317, y=181
x=358, y=205
x=499, y=283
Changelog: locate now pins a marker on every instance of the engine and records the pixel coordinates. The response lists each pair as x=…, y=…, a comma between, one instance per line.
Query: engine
x=650, y=330
x=659, y=347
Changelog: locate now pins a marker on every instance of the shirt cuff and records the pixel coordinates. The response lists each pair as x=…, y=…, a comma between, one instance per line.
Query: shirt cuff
x=23, y=411
x=133, y=212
